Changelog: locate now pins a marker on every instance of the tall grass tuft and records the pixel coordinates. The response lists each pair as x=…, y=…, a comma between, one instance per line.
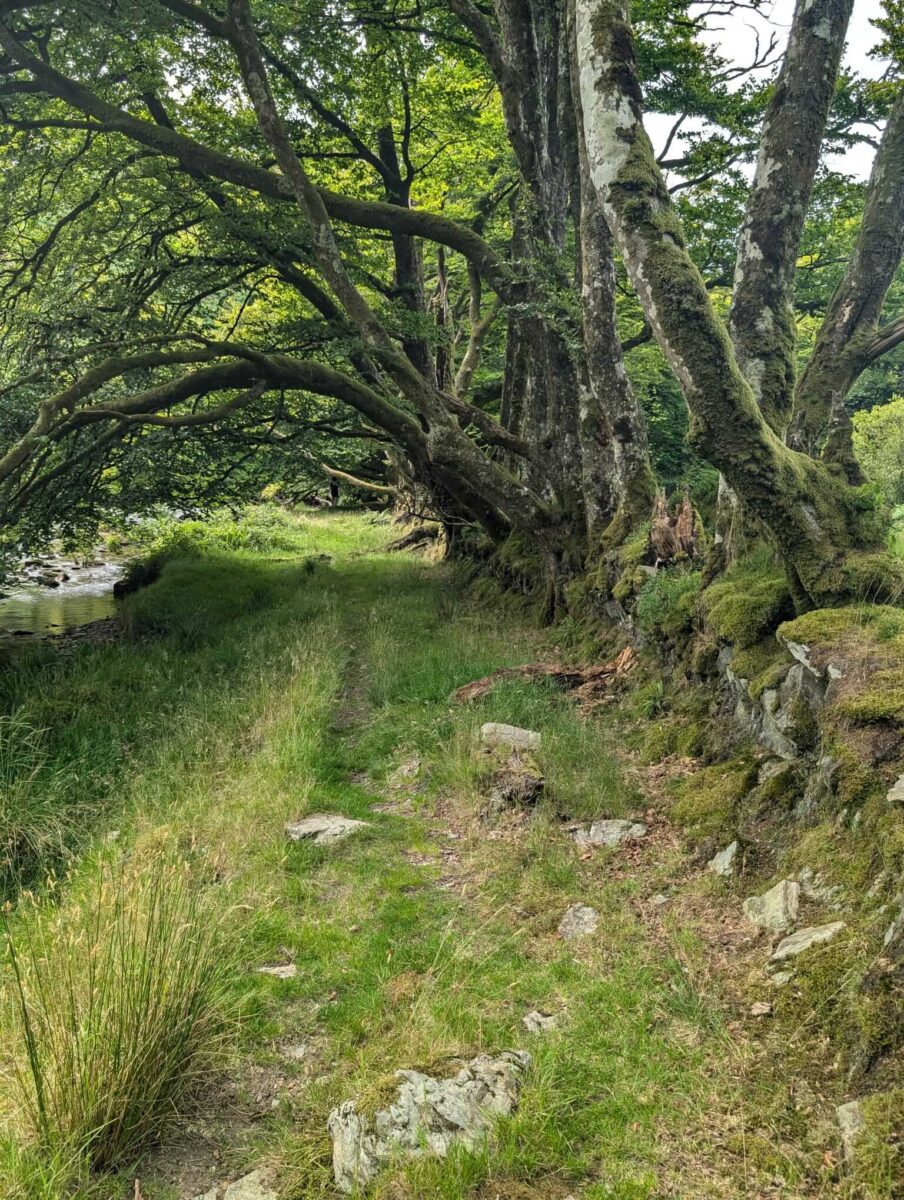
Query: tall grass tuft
x=120, y=1004
x=35, y=823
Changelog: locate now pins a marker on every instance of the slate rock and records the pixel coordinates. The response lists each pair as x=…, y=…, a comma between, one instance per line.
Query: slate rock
x=797, y=943
x=279, y=971
x=775, y=910
x=610, y=833
x=722, y=864
x=579, y=921
x=428, y=1116
x=516, y=738
x=321, y=828
x=850, y=1122
x=537, y=1022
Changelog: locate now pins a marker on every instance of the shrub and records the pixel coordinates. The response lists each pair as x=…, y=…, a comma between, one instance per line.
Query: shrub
x=119, y=1005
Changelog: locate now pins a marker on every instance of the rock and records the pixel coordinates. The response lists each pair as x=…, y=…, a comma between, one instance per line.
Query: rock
x=895, y=794
x=760, y=1008
x=249, y=1187
x=894, y=929
x=579, y=921
x=519, y=784
x=723, y=863
x=814, y=935
x=850, y=1122
x=776, y=909
x=659, y=899
x=428, y=1115
x=813, y=888
x=322, y=827
x=780, y=978
x=279, y=971
x=494, y=734
x=610, y=833
x=537, y=1022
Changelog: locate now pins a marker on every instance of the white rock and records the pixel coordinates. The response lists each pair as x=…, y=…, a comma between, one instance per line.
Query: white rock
x=780, y=978
x=760, y=1008
x=659, y=899
x=776, y=909
x=211, y=1195
x=850, y=1123
x=723, y=862
x=579, y=921
x=428, y=1116
x=280, y=971
x=895, y=794
x=610, y=833
x=814, y=935
x=537, y=1022
x=495, y=734
x=322, y=827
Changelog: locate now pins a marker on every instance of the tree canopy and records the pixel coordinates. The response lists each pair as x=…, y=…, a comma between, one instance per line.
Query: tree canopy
x=432, y=246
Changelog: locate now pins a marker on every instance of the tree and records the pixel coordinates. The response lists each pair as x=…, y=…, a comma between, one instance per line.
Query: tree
x=739, y=379
x=413, y=231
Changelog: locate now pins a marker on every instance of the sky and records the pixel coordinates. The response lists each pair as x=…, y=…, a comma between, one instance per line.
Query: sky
x=735, y=36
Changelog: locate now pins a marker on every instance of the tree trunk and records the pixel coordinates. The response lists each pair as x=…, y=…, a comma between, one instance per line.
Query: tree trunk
x=816, y=519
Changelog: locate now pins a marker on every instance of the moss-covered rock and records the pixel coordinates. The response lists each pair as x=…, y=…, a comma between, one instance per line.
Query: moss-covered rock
x=747, y=603
x=707, y=803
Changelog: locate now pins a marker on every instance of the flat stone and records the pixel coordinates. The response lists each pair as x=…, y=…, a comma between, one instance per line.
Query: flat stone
x=760, y=1008
x=537, y=1022
x=814, y=935
x=780, y=978
x=322, y=827
x=280, y=971
x=850, y=1122
x=610, y=833
x=659, y=899
x=495, y=734
x=249, y=1187
x=428, y=1116
x=723, y=863
x=579, y=921
x=776, y=909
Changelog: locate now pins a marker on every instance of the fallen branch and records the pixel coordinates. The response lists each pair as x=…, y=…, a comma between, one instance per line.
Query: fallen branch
x=590, y=685
x=364, y=484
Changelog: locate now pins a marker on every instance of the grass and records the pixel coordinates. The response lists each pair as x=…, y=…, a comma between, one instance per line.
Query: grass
x=259, y=691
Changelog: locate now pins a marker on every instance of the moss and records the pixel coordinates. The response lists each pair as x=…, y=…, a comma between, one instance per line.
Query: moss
x=830, y=626
x=746, y=604
x=704, y=656
x=763, y=665
x=707, y=802
x=879, y=1160
x=882, y=700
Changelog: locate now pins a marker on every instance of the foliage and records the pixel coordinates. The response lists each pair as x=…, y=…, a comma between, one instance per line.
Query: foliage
x=666, y=603
x=879, y=446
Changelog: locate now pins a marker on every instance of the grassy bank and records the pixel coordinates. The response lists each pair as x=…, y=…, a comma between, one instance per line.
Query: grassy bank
x=261, y=686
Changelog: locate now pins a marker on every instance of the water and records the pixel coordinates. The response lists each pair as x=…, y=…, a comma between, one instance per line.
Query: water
x=29, y=608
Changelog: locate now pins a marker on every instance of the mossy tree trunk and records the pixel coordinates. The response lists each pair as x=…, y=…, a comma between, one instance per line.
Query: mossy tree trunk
x=816, y=519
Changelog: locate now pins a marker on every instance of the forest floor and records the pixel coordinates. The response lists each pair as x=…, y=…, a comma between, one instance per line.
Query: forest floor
x=261, y=689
